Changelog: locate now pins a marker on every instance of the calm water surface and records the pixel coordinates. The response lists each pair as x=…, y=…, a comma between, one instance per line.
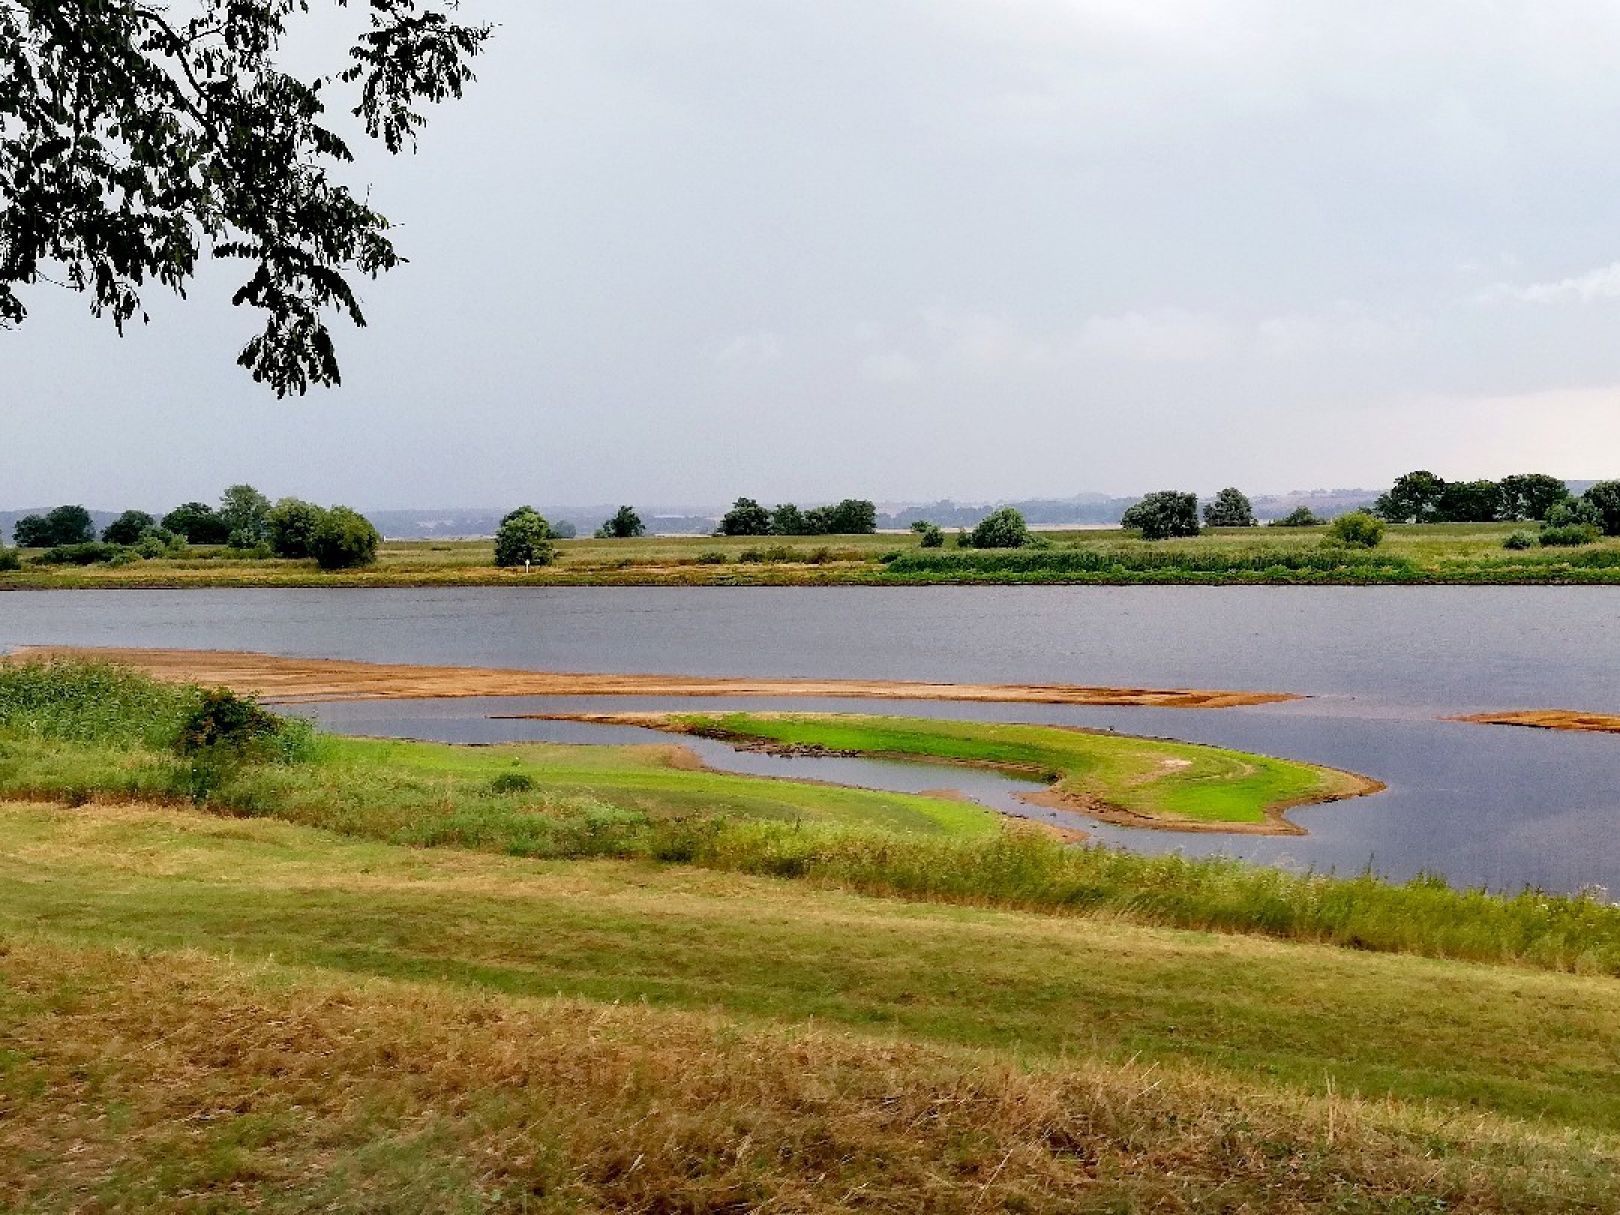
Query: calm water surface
x=1481, y=805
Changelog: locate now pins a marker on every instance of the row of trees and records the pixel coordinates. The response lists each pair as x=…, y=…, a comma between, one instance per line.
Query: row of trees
x=851, y=517
x=1423, y=497
x=335, y=537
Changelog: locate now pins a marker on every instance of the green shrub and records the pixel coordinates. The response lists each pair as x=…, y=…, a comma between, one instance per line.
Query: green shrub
x=1573, y=512
x=1004, y=528
x=1300, y=516
x=1129, y=562
x=10, y=561
x=221, y=718
x=512, y=782
x=154, y=542
x=929, y=535
x=92, y=553
x=712, y=556
x=1358, y=529
x=1570, y=535
x=344, y=539
x=1520, y=540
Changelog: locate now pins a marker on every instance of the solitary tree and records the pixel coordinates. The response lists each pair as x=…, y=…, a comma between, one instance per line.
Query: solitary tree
x=524, y=538
x=1163, y=514
x=624, y=525
x=746, y=518
x=1229, y=508
x=135, y=139
x=127, y=528
x=1003, y=528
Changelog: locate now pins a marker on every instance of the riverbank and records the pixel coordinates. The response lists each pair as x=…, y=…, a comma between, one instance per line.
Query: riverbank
x=1411, y=555
x=283, y=680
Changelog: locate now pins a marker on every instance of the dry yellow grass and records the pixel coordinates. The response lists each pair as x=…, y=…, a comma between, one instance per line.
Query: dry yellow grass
x=183, y=1082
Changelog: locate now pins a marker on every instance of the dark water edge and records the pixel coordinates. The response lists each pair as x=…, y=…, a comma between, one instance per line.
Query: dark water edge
x=1479, y=805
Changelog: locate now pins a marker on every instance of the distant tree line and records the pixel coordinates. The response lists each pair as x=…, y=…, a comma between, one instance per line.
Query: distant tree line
x=851, y=517
x=336, y=537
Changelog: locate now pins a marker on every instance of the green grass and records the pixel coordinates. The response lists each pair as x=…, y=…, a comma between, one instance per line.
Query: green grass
x=1411, y=554
x=553, y=801
x=1506, y=1041
x=1153, y=778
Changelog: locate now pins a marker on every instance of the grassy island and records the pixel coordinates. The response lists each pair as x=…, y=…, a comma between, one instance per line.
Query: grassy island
x=1142, y=782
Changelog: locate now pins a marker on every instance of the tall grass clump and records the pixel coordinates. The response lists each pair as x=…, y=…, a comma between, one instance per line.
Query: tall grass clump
x=1031, y=871
x=92, y=702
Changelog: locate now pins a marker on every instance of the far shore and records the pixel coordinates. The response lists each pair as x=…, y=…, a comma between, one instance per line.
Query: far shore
x=283, y=680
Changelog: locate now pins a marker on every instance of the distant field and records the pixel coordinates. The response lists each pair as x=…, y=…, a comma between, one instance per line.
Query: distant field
x=1431, y=553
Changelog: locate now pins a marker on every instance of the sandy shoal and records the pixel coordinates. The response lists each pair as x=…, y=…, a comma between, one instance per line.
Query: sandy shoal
x=284, y=680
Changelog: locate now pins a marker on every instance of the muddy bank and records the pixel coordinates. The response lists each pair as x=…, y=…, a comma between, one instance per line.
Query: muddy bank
x=301, y=680
x=1550, y=719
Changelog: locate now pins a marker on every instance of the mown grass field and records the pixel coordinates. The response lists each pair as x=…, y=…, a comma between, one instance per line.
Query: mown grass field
x=347, y=975
x=1151, y=779
x=1410, y=554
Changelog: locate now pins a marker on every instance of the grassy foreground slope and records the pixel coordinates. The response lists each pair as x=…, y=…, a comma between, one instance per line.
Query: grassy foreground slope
x=1118, y=777
x=1463, y=553
x=197, y=1013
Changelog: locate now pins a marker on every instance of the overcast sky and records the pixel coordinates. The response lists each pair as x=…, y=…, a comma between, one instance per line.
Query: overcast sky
x=670, y=251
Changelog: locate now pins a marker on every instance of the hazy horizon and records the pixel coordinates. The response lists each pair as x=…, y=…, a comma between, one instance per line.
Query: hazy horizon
x=958, y=249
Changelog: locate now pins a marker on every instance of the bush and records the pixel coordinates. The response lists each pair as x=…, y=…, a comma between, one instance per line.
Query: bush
x=524, y=538
x=345, y=539
x=1573, y=512
x=1163, y=514
x=929, y=534
x=1520, y=540
x=1300, y=516
x=291, y=526
x=1570, y=535
x=1358, y=529
x=775, y=554
x=92, y=553
x=10, y=561
x=1004, y=528
x=224, y=719
x=154, y=542
x=712, y=556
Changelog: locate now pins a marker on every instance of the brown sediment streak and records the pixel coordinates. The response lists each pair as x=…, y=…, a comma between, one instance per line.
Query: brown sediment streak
x=1054, y=797
x=299, y=680
x=1550, y=719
